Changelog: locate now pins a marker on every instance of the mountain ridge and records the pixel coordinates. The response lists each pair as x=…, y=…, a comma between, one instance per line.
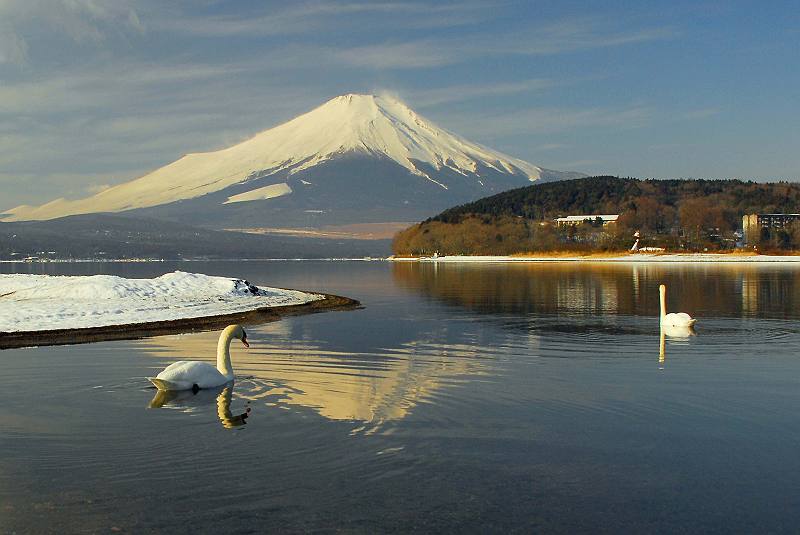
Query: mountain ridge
x=267, y=166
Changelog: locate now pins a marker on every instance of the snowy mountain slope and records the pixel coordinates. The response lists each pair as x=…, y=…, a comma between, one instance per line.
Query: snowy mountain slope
x=270, y=166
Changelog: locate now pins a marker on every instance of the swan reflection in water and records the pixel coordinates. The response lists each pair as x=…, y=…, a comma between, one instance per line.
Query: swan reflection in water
x=189, y=401
x=678, y=333
x=289, y=370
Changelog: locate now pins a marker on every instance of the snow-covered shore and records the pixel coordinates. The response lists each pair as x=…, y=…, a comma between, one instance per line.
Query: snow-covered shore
x=44, y=302
x=635, y=258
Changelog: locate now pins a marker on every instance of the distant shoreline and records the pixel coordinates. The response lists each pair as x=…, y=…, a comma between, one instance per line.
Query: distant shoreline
x=689, y=258
x=157, y=260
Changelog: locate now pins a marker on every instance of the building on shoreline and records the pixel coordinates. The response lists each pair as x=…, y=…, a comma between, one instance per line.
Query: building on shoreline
x=753, y=223
x=593, y=219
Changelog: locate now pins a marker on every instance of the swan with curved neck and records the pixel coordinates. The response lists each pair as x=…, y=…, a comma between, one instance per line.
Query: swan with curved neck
x=673, y=319
x=195, y=375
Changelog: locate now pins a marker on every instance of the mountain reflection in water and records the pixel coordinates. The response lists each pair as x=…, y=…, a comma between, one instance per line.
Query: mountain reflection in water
x=283, y=370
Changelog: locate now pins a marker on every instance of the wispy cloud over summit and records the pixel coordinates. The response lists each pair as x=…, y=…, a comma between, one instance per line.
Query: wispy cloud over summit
x=531, y=41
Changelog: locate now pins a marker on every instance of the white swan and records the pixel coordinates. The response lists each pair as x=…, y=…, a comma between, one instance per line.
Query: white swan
x=673, y=319
x=678, y=332
x=194, y=375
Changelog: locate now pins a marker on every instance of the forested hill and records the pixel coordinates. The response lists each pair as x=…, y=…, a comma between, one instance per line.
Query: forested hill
x=614, y=195
x=676, y=214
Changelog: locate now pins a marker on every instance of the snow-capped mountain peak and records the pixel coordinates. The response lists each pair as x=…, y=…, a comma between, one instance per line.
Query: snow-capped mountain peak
x=385, y=125
x=375, y=126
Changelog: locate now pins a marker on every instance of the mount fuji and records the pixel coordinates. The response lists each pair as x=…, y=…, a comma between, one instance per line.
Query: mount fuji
x=354, y=159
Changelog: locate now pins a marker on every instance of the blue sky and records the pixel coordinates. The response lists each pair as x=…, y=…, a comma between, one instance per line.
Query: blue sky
x=94, y=93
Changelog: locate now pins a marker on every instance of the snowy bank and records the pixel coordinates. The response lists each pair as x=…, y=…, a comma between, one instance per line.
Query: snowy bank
x=45, y=303
x=662, y=258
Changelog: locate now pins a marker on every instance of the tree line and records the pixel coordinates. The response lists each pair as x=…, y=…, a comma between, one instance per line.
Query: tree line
x=675, y=214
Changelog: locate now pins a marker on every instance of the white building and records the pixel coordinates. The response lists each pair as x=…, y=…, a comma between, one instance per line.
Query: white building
x=573, y=220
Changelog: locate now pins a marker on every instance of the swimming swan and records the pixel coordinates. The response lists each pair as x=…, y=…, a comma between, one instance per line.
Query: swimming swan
x=674, y=319
x=194, y=375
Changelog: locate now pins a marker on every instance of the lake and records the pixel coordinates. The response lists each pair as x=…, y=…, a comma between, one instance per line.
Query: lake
x=477, y=398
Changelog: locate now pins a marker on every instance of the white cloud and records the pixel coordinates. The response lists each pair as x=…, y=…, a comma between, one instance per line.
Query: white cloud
x=551, y=146
x=411, y=55
x=702, y=113
x=23, y=21
x=576, y=34
x=293, y=18
x=545, y=120
x=567, y=36
x=13, y=49
x=422, y=98
x=106, y=87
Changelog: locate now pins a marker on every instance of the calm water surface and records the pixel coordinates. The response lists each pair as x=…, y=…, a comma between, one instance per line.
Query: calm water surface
x=461, y=398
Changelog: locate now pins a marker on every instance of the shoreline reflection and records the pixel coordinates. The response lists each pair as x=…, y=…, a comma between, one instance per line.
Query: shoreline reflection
x=600, y=289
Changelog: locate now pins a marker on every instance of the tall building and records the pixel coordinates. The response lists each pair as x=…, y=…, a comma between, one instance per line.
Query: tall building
x=753, y=223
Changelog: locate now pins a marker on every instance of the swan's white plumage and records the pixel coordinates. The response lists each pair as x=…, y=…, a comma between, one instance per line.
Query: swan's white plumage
x=678, y=319
x=184, y=374
x=191, y=374
x=673, y=319
x=677, y=331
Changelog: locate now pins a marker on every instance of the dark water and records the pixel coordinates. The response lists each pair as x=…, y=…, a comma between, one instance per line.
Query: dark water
x=461, y=398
